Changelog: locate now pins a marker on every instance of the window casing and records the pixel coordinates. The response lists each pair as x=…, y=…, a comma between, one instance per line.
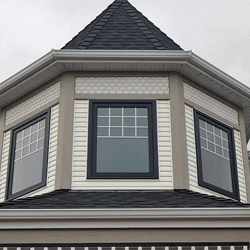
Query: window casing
x=122, y=140
x=29, y=155
x=216, y=160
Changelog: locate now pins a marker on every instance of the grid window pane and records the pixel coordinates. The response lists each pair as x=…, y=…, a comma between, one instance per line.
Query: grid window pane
x=129, y=132
x=217, y=131
x=26, y=131
x=129, y=121
x=129, y=111
x=33, y=147
x=210, y=137
x=41, y=134
x=142, y=121
x=116, y=121
x=210, y=146
x=42, y=124
x=103, y=111
x=202, y=124
x=224, y=135
x=18, y=154
x=203, y=143
x=203, y=133
x=40, y=143
x=25, y=151
x=26, y=141
x=225, y=144
x=103, y=121
x=34, y=128
x=209, y=127
x=18, y=145
x=19, y=135
x=116, y=111
x=142, y=112
x=33, y=137
x=218, y=140
x=142, y=132
x=115, y=131
x=102, y=131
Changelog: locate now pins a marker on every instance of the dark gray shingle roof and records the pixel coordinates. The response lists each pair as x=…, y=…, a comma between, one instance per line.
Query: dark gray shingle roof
x=121, y=27
x=178, y=198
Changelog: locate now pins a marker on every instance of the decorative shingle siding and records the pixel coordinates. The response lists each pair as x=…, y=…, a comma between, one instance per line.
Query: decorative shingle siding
x=122, y=85
x=32, y=103
x=4, y=164
x=51, y=159
x=192, y=163
x=79, y=171
x=240, y=166
x=210, y=103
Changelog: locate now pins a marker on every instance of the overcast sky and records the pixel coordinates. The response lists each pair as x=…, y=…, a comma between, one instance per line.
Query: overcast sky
x=216, y=30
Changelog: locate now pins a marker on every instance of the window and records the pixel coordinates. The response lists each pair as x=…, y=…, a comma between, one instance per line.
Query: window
x=29, y=155
x=215, y=156
x=122, y=139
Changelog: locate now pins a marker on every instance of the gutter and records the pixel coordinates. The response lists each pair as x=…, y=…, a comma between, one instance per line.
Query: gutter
x=125, y=218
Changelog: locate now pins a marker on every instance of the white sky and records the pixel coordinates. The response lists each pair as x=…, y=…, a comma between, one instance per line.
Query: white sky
x=216, y=30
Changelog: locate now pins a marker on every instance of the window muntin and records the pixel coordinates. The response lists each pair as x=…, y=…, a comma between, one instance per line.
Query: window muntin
x=215, y=155
x=123, y=139
x=29, y=155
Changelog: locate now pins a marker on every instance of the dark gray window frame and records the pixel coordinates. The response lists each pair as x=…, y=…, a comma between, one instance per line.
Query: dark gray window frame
x=43, y=115
x=92, y=140
x=233, y=165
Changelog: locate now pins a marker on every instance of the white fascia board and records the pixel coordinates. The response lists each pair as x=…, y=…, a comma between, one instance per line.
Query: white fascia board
x=125, y=218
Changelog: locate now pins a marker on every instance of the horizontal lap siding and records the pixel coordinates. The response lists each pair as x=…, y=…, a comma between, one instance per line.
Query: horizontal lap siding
x=4, y=164
x=79, y=169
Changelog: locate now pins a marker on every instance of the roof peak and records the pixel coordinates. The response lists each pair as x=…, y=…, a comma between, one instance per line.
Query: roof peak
x=121, y=27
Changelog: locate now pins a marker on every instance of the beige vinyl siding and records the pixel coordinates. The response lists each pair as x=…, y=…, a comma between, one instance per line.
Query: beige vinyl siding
x=50, y=186
x=4, y=164
x=32, y=103
x=240, y=166
x=192, y=163
x=79, y=168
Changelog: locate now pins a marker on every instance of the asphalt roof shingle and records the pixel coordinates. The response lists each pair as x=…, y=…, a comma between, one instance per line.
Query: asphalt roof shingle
x=64, y=198
x=121, y=27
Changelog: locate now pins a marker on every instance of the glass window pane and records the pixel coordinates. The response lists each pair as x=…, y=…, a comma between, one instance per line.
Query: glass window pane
x=122, y=155
x=210, y=146
x=26, y=141
x=18, y=145
x=129, y=121
x=102, y=131
x=216, y=170
x=209, y=127
x=217, y=131
x=142, y=121
x=219, y=150
x=226, y=153
x=129, y=131
x=25, y=151
x=41, y=134
x=17, y=154
x=33, y=137
x=129, y=112
x=41, y=124
x=33, y=147
x=142, y=132
x=142, y=112
x=210, y=137
x=203, y=143
x=19, y=135
x=27, y=131
x=40, y=144
x=116, y=111
x=27, y=172
x=225, y=144
x=34, y=128
x=224, y=135
x=202, y=133
x=115, y=131
x=103, y=121
x=116, y=121
x=202, y=124
x=103, y=112
x=218, y=140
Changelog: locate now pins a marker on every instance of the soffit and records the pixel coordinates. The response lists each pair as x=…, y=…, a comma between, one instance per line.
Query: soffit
x=186, y=63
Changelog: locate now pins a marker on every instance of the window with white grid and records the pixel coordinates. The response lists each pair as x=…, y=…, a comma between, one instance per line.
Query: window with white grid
x=29, y=155
x=215, y=155
x=122, y=122
x=122, y=140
